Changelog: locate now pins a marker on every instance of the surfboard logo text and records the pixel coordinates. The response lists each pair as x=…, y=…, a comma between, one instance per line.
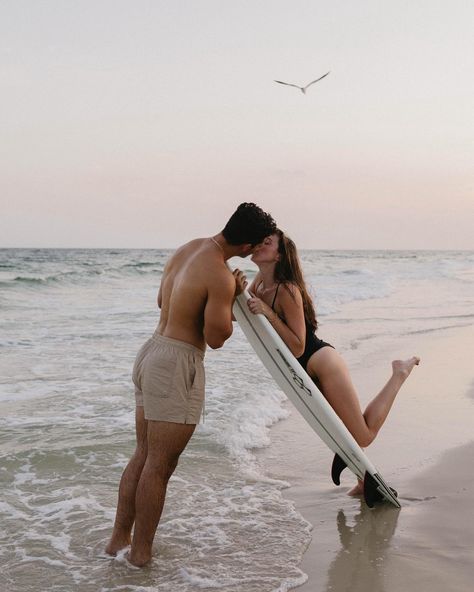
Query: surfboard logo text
x=296, y=379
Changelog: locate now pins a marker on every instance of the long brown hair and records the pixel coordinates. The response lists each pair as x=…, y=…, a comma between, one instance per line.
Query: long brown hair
x=288, y=270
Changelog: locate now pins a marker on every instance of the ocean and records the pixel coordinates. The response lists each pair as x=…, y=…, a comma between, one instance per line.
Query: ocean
x=71, y=323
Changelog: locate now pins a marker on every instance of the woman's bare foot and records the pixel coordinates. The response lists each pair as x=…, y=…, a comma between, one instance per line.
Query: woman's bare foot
x=403, y=368
x=116, y=544
x=357, y=489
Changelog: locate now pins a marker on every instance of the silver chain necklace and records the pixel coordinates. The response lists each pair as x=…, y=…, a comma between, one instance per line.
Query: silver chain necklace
x=216, y=243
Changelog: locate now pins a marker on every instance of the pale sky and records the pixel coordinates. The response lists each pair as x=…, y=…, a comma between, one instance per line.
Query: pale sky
x=145, y=123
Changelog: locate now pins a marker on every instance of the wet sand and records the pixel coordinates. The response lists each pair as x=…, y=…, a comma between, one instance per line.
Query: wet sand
x=425, y=450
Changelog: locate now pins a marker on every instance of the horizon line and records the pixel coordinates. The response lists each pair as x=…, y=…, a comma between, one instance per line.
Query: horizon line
x=174, y=248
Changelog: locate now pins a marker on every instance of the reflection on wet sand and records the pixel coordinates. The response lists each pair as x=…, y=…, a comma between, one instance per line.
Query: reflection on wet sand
x=359, y=564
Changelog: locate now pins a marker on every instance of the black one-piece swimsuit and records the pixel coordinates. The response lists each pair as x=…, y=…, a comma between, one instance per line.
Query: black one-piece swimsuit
x=312, y=343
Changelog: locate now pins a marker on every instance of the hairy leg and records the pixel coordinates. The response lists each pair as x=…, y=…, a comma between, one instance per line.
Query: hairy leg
x=330, y=369
x=166, y=441
x=125, y=515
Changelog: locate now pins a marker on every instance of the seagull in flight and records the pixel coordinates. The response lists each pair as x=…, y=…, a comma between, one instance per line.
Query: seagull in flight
x=303, y=88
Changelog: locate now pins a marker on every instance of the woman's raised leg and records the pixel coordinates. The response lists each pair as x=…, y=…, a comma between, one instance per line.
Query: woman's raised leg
x=328, y=367
x=330, y=372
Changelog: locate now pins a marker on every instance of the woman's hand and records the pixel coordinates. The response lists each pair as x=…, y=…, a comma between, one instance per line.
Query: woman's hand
x=240, y=281
x=257, y=306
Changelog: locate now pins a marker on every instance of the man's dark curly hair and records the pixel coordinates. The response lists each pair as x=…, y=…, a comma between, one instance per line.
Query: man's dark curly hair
x=248, y=224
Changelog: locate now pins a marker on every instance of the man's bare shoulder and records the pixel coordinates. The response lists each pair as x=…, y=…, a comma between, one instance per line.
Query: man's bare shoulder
x=219, y=276
x=204, y=261
x=184, y=252
x=193, y=245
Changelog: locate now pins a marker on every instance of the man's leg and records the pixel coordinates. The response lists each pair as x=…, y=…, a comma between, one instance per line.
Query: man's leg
x=166, y=441
x=125, y=515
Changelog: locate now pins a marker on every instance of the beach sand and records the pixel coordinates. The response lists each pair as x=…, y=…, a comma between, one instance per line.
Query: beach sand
x=425, y=450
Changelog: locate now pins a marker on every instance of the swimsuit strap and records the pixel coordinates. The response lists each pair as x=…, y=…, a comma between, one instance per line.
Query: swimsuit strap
x=274, y=297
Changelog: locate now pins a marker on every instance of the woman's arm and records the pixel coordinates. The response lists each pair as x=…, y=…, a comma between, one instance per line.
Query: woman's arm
x=290, y=305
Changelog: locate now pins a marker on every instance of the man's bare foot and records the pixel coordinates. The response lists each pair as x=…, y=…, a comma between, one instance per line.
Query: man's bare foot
x=404, y=367
x=116, y=544
x=357, y=489
x=138, y=560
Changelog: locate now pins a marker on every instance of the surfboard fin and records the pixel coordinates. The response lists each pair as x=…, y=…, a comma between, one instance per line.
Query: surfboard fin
x=338, y=465
x=372, y=494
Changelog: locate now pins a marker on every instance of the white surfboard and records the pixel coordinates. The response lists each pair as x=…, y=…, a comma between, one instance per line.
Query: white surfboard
x=303, y=393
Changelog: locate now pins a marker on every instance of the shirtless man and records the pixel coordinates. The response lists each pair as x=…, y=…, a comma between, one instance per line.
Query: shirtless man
x=196, y=295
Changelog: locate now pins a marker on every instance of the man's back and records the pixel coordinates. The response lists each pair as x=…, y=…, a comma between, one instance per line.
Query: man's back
x=195, y=279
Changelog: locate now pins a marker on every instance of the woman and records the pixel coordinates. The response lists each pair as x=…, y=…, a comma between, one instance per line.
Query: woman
x=279, y=292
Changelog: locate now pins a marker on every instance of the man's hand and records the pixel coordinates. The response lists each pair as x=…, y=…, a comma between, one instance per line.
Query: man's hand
x=240, y=281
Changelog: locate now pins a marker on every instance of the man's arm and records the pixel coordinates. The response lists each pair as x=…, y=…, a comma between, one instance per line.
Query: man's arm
x=218, y=311
x=160, y=291
x=160, y=296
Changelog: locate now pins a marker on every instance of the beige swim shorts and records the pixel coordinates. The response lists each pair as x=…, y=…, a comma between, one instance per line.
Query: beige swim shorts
x=169, y=380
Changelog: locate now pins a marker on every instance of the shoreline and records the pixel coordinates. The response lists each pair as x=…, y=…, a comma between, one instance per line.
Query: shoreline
x=386, y=549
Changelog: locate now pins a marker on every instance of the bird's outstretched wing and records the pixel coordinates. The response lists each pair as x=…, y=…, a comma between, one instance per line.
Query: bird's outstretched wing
x=287, y=83
x=317, y=80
